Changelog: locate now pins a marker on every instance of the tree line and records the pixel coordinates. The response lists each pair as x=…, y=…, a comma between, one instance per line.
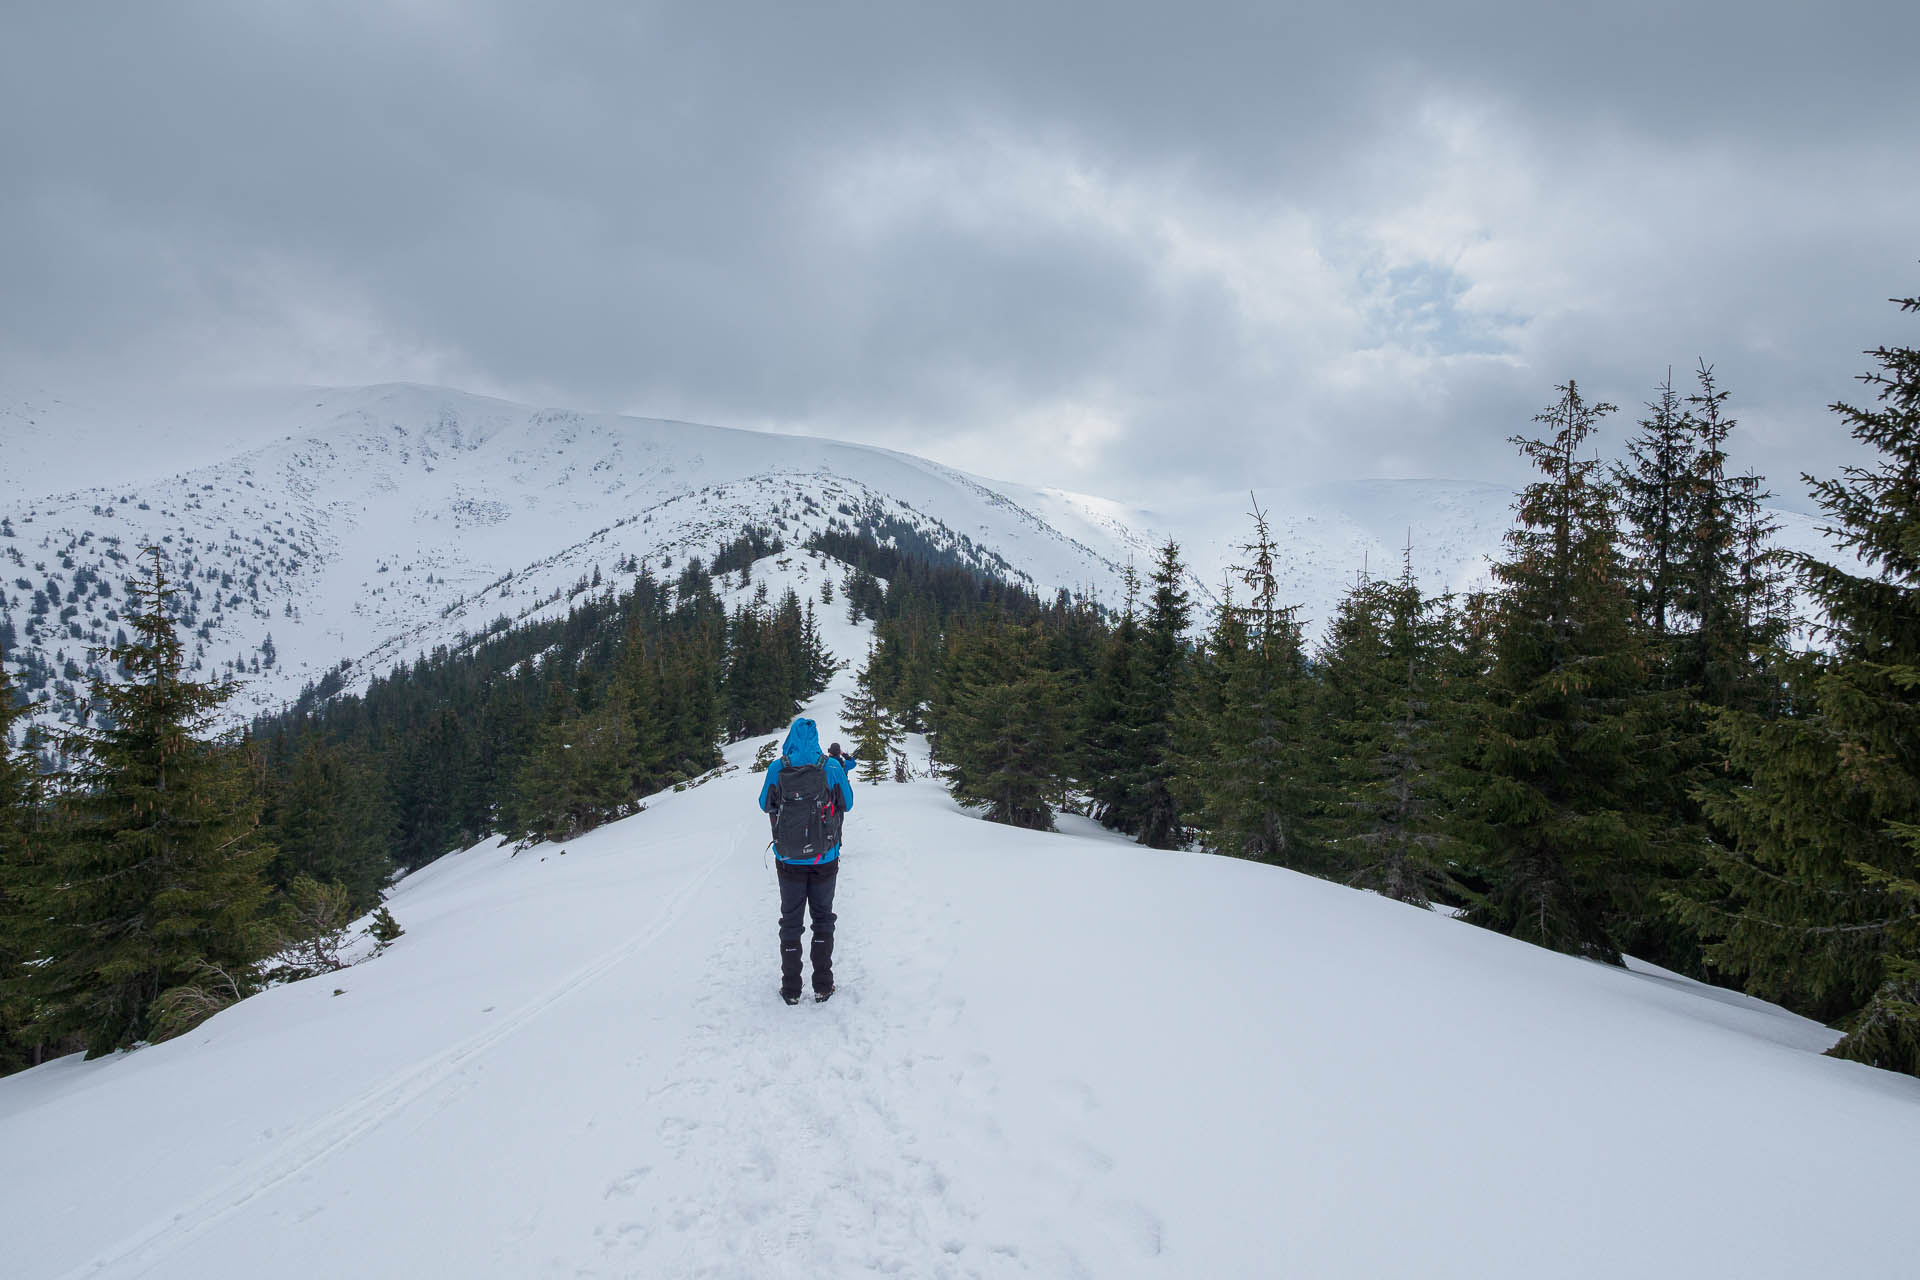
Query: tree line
x=1624, y=746
x=1619, y=748
x=160, y=870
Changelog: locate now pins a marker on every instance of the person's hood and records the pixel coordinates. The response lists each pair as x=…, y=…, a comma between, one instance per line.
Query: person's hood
x=803, y=742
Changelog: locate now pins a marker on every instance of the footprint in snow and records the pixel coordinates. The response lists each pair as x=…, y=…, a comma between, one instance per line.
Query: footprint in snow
x=627, y=1183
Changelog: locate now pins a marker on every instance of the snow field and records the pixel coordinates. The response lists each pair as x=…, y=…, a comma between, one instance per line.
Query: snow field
x=1050, y=1055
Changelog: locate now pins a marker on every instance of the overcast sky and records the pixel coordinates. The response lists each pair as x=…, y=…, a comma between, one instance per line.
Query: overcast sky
x=1115, y=247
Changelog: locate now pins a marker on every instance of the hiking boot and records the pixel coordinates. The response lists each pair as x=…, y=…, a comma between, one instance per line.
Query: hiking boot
x=791, y=997
x=822, y=956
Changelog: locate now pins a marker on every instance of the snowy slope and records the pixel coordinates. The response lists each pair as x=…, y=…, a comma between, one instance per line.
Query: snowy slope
x=1052, y=1055
x=389, y=520
x=339, y=532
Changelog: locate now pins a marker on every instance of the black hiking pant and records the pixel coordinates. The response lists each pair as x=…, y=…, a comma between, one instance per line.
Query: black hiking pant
x=807, y=889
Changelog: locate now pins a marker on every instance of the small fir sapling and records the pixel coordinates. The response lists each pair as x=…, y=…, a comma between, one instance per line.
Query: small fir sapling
x=384, y=928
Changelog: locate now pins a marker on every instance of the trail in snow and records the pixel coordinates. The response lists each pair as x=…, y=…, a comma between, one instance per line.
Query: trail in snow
x=714, y=1132
x=798, y=1111
x=769, y=1140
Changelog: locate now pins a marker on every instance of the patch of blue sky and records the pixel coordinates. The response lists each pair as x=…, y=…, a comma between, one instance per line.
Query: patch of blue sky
x=1420, y=308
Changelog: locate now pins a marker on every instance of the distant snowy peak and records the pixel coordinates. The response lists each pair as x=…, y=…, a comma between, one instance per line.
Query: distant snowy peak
x=381, y=522
x=333, y=533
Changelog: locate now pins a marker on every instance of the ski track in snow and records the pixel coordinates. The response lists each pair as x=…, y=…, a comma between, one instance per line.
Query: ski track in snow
x=807, y=1152
x=327, y=1137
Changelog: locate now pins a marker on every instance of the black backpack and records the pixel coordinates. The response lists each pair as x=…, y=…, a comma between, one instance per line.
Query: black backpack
x=803, y=819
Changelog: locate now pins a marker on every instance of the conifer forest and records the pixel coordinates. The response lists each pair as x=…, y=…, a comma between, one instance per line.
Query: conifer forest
x=1656, y=734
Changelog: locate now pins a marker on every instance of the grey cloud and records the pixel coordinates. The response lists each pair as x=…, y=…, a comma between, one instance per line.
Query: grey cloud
x=1198, y=241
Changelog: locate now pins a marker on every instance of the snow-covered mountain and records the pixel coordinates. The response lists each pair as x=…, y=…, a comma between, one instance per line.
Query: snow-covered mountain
x=383, y=522
x=1050, y=1055
x=339, y=532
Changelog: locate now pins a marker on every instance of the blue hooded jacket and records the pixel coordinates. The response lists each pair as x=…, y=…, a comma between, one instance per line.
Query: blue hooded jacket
x=803, y=747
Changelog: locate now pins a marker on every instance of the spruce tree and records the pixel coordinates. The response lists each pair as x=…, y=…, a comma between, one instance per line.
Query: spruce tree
x=1105, y=731
x=1819, y=894
x=917, y=635
x=1654, y=488
x=1001, y=736
x=330, y=823
x=1151, y=764
x=749, y=683
x=1712, y=660
x=19, y=816
x=637, y=678
x=1200, y=713
x=1076, y=643
x=1391, y=737
x=1765, y=592
x=1706, y=560
x=819, y=664
x=690, y=714
x=579, y=774
x=430, y=768
x=1247, y=761
x=870, y=726
x=154, y=880
x=1557, y=770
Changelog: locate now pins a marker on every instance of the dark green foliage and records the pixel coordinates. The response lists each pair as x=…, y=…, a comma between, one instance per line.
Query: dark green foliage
x=1818, y=900
x=1707, y=584
x=1654, y=502
x=1395, y=734
x=1728, y=576
x=638, y=712
x=1153, y=765
x=688, y=670
x=329, y=821
x=1105, y=733
x=435, y=772
x=774, y=659
x=1001, y=737
x=154, y=878
x=1558, y=767
x=383, y=928
x=1245, y=739
x=872, y=728
x=19, y=817
x=579, y=773
x=1712, y=608
x=906, y=664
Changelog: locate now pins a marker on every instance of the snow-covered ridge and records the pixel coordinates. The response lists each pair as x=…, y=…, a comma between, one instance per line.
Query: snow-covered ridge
x=1049, y=1055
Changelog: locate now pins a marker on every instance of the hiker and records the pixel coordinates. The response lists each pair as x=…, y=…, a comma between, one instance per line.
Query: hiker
x=806, y=796
x=847, y=762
